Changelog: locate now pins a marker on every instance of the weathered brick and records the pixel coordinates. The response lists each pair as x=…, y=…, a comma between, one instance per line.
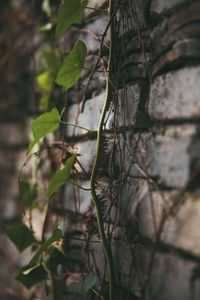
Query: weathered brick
x=171, y=275
x=180, y=26
x=86, y=151
x=126, y=112
x=170, y=278
x=175, y=95
x=131, y=194
x=161, y=153
x=90, y=117
x=75, y=199
x=181, y=229
x=159, y=7
x=163, y=38
x=186, y=50
x=95, y=28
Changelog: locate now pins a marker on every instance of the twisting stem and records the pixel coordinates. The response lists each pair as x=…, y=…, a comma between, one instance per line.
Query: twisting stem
x=106, y=245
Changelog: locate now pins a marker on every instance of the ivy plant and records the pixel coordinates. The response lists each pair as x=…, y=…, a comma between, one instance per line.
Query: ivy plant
x=65, y=73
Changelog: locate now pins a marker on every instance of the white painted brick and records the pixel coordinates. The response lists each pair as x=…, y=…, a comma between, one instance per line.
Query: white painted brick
x=171, y=275
x=163, y=155
x=126, y=115
x=161, y=7
x=128, y=106
x=131, y=194
x=175, y=96
x=97, y=27
x=75, y=199
x=181, y=230
x=170, y=278
x=86, y=151
x=89, y=118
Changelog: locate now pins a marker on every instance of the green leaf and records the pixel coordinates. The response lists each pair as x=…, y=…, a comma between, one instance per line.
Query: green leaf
x=57, y=234
x=32, y=276
x=88, y=282
x=54, y=258
x=28, y=192
x=20, y=235
x=71, y=12
x=72, y=66
x=52, y=60
x=44, y=124
x=46, y=102
x=61, y=176
x=46, y=7
x=46, y=81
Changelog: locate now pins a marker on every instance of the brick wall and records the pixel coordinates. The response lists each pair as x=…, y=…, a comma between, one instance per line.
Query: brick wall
x=150, y=181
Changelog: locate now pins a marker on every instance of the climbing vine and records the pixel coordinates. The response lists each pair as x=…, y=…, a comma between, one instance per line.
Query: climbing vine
x=65, y=72
x=122, y=201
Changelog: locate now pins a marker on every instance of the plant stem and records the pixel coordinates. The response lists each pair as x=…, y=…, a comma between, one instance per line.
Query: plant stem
x=81, y=127
x=106, y=245
x=96, y=8
x=53, y=287
x=80, y=187
x=88, y=241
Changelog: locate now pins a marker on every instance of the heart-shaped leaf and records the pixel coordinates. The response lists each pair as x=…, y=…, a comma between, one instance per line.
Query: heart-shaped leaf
x=71, y=12
x=20, y=235
x=61, y=176
x=72, y=66
x=45, y=81
x=32, y=276
x=52, y=60
x=46, y=102
x=44, y=124
x=28, y=192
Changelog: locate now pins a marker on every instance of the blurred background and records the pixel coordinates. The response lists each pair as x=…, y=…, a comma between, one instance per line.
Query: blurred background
x=19, y=44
